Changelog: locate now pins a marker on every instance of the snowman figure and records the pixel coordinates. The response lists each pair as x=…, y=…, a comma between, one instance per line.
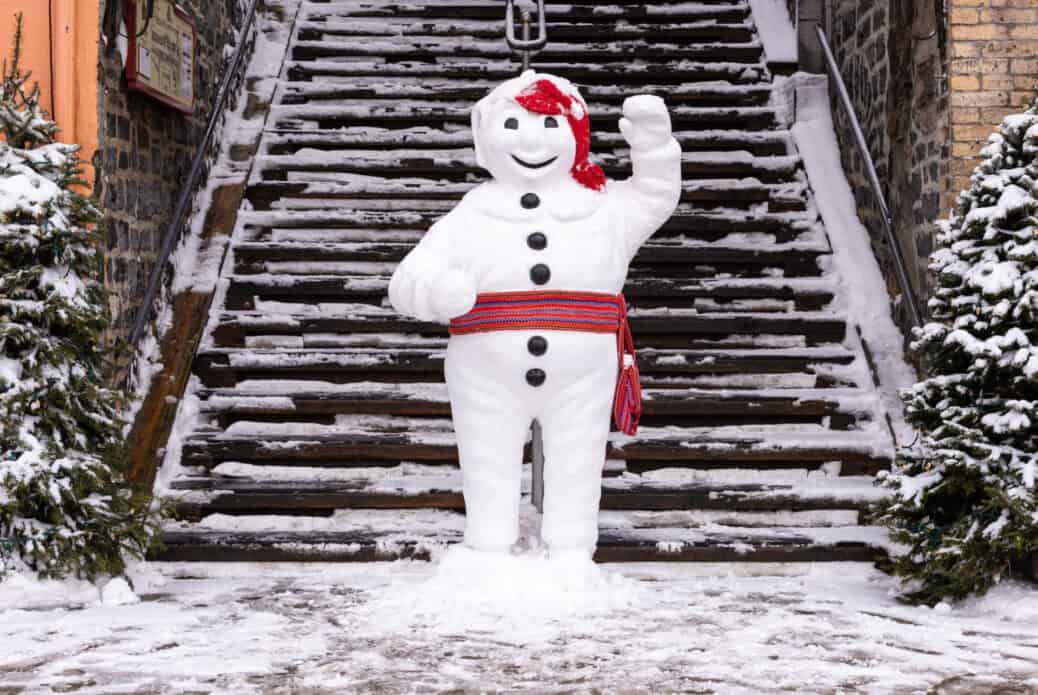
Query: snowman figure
x=527, y=270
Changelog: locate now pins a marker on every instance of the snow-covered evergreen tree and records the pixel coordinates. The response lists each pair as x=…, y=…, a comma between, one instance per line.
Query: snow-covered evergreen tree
x=964, y=497
x=64, y=506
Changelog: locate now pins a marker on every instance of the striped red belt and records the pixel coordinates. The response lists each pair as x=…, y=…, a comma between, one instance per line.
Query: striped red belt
x=587, y=312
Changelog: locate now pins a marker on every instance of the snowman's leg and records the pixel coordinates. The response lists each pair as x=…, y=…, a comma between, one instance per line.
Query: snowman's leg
x=491, y=431
x=576, y=428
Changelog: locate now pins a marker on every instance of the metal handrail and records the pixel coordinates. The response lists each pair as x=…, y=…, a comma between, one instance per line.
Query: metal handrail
x=900, y=266
x=526, y=45
x=187, y=191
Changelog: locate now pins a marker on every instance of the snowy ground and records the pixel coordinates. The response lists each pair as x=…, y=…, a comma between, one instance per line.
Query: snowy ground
x=413, y=628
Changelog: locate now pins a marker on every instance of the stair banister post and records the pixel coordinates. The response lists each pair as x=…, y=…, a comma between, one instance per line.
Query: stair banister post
x=524, y=17
x=537, y=456
x=525, y=45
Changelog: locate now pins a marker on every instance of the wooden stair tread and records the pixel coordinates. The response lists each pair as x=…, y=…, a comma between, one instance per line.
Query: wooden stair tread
x=639, y=291
x=856, y=448
x=603, y=116
x=452, y=89
x=608, y=72
x=716, y=546
x=199, y=497
x=226, y=366
x=420, y=138
x=377, y=234
x=405, y=399
x=432, y=46
x=577, y=11
x=368, y=318
x=490, y=28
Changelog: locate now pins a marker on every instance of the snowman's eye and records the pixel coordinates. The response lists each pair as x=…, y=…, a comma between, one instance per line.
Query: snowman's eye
x=550, y=122
x=512, y=123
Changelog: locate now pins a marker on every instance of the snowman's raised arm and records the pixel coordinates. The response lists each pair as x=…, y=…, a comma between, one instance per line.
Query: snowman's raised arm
x=427, y=284
x=649, y=197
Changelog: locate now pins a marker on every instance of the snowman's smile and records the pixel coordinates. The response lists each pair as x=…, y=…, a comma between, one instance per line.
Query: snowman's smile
x=530, y=165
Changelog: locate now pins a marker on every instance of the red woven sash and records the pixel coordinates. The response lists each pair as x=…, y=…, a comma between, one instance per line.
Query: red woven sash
x=588, y=312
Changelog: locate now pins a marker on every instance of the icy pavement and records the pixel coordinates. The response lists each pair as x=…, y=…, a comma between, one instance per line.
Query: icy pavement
x=401, y=628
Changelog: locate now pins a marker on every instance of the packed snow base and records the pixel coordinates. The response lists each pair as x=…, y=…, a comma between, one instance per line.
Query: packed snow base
x=405, y=627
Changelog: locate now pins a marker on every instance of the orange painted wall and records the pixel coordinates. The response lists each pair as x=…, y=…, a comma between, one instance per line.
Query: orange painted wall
x=63, y=33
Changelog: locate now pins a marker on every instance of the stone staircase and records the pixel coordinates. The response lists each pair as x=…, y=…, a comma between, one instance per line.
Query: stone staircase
x=323, y=426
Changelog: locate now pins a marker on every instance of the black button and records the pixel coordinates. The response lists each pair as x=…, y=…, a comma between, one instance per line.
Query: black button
x=537, y=345
x=536, y=377
x=537, y=241
x=540, y=274
x=529, y=201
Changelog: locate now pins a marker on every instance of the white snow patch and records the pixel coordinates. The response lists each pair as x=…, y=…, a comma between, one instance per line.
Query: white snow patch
x=738, y=628
x=522, y=598
x=117, y=592
x=864, y=289
x=776, y=30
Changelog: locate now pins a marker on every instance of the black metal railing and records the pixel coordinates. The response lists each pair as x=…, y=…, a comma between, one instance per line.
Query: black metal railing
x=187, y=192
x=900, y=266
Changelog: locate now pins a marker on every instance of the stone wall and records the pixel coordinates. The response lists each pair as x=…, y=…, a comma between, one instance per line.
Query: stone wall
x=144, y=155
x=993, y=72
x=891, y=54
x=931, y=80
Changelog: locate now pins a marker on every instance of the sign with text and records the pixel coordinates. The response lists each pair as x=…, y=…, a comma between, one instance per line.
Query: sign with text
x=161, y=60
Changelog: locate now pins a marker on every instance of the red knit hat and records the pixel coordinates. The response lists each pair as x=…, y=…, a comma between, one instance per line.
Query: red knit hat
x=544, y=97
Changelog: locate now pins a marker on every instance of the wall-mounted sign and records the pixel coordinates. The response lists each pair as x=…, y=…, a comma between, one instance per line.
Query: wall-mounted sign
x=161, y=60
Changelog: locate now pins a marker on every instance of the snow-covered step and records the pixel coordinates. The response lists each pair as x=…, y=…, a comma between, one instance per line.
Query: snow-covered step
x=713, y=234
x=769, y=142
x=331, y=192
x=604, y=117
x=461, y=164
x=709, y=30
x=345, y=445
x=243, y=496
x=748, y=255
x=431, y=47
x=607, y=13
x=605, y=72
x=706, y=295
x=430, y=399
x=394, y=357
x=653, y=328
x=695, y=94
x=711, y=544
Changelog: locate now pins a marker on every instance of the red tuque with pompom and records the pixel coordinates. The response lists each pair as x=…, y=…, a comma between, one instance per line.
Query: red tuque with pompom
x=545, y=98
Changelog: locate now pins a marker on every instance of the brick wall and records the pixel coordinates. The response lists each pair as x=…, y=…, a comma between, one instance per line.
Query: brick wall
x=145, y=152
x=993, y=72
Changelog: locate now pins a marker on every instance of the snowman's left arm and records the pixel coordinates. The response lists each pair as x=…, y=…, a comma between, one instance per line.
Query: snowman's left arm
x=649, y=197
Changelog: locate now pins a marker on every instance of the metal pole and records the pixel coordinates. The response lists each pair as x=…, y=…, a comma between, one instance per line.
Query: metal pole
x=537, y=454
x=525, y=45
x=525, y=18
x=900, y=267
